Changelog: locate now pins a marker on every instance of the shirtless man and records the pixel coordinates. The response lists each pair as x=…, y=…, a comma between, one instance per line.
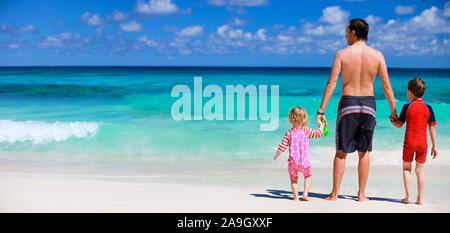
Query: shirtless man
x=356, y=116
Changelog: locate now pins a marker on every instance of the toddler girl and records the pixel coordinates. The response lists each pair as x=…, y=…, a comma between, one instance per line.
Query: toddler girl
x=297, y=138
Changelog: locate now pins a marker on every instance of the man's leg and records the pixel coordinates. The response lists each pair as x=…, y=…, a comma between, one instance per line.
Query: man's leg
x=363, y=174
x=338, y=172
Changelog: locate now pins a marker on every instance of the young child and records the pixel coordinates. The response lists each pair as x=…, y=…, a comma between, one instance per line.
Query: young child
x=297, y=138
x=417, y=116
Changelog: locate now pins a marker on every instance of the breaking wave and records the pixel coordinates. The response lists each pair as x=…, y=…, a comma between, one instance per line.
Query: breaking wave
x=38, y=132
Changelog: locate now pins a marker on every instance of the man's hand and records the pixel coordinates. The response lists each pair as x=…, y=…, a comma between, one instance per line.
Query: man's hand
x=433, y=152
x=320, y=118
x=393, y=117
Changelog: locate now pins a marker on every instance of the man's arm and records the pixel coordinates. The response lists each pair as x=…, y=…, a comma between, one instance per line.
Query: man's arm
x=388, y=93
x=331, y=85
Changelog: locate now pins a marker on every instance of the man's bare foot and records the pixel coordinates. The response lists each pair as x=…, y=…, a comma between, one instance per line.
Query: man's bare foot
x=419, y=201
x=362, y=198
x=295, y=199
x=305, y=198
x=331, y=197
x=406, y=200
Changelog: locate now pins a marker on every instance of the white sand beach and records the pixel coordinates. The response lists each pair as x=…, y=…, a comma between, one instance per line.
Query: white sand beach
x=250, y=191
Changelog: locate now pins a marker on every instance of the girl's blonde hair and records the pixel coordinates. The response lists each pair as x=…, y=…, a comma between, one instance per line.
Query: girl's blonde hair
x=298, y=117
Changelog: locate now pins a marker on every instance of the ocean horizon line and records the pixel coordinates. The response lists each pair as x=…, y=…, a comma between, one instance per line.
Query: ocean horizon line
x=212, y=67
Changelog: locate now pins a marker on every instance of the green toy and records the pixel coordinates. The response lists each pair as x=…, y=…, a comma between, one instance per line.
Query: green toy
x=325, y=130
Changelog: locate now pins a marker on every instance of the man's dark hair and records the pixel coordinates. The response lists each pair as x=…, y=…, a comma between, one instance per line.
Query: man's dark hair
x=360, y=27
x=417, y=87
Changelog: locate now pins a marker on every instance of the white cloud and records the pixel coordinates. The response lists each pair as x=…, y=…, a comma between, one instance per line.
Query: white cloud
x=149, y=43
x=118, y=15
x=415, y=36
x=222, y=30
x=157, y=7
x=237, y=2
x=447, y=9
x=6, y=28
x=302, y=39
x=429, y=18
x=277, y=49
x=372, y=20
x=59, y=40
x=191, y=31
x=285, y=40
x=131, y=26
x=317, y=31
x=65, y=35
x=184, y=51
x=239, y=22
x=13, y=46
x=261, y=34
x=92, y=19
x=334, y=15
x=52, y=41
x=419, y=33
x=248, y=36
x=226, y=31
x=404, y=10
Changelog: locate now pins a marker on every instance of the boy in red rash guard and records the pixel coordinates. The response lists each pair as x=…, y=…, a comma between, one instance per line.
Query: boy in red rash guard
x=417, y=116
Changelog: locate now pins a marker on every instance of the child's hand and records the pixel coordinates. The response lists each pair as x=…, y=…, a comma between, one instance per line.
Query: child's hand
x=433, y=152
x=393, y=122
x=276, y=155
x=393, y=118
x=320, y=125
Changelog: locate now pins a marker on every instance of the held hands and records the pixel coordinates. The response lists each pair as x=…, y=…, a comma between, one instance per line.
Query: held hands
x=319, y=120
x=320, y=125
x=393, y=118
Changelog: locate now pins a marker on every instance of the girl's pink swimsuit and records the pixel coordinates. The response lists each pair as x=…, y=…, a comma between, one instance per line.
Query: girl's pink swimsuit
x=297, y=138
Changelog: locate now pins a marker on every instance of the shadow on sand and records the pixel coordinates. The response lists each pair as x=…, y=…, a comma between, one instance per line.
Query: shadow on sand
x=282, y=194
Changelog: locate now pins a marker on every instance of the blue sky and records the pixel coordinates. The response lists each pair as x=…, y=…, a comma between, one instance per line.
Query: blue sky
x=217, y=32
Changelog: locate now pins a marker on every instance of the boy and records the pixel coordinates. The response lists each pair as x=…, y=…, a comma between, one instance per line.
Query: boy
x=417, y=116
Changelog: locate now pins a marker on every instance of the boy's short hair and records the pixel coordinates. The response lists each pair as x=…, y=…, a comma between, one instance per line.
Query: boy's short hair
x=361, y=28
x=417, y=87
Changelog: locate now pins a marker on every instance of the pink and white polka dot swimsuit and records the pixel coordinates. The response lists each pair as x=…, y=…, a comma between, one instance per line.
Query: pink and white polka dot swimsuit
x=298, y=141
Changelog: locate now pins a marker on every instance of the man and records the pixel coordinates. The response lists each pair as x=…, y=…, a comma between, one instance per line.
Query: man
x=356, y=118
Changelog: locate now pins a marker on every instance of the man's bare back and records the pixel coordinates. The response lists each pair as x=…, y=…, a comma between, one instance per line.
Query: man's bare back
x=359, y=66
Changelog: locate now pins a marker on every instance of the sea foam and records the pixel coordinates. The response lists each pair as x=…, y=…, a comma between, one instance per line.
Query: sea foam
x=38, y=132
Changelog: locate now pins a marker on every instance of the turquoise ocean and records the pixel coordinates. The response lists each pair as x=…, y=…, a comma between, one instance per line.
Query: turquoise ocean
x=117, y=120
